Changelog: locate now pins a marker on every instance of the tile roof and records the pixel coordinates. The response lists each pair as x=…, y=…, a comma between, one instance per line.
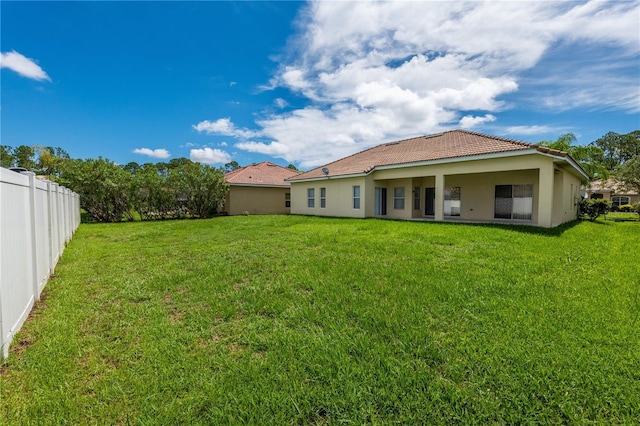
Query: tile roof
x=265, y=173
x=446, y=145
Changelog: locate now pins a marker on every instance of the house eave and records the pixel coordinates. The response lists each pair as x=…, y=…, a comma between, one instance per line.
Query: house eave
x=324, y=178
x=455, y=159
x=256, y=185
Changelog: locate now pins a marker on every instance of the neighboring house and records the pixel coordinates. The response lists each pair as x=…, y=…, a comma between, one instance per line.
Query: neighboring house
x=450, y=176
x=610, y=190
x=259, y=189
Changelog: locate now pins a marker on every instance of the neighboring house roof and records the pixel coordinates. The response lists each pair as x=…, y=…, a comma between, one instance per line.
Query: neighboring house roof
x=610, y=186
x=260, y=174
x=452, y=145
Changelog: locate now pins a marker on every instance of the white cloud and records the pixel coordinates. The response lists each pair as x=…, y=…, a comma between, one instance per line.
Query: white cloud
x=377, y=71
x=223, y=143
x=469, y=121
x=160, y=153
x=530, y=130
x=209, y=156
x=24, y=66
x=222, y=126
x=280, y=103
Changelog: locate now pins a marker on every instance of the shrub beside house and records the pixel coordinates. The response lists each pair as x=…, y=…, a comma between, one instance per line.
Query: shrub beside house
x=611, y=191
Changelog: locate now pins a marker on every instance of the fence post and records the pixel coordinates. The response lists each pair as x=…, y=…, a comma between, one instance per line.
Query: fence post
x=34, y=236
x=50, y=239
x=60, y=223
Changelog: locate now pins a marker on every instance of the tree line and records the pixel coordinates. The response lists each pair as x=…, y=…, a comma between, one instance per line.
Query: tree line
x=112, y=193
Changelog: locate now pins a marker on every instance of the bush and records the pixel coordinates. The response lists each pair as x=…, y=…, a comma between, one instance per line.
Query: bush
x=636, y=207
x=593, y=208
x=627, y=208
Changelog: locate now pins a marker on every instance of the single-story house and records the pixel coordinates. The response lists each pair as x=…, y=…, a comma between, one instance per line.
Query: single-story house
x=612, y=191
x=451, y=176
x=259, y=189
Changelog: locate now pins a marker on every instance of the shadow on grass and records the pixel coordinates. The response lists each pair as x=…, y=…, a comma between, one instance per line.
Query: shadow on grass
x=526, y=229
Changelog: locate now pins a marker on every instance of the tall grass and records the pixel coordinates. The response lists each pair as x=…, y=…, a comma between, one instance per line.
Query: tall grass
x=302, y=320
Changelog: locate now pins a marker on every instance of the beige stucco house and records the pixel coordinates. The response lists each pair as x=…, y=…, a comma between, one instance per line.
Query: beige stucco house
x=451, y=176
x=610, y=190
x=259, y=189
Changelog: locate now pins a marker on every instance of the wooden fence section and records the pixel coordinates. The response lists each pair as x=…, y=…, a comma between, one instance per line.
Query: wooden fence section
x=37, y=219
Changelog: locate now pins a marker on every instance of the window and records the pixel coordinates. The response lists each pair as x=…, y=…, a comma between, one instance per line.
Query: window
x=287, y=199
x=398, y=198
x=356, y=197
x=452, y=201
x=620, y=200
x=416, y=198
x=323, y=198
x=513, y=202
x=311, y=198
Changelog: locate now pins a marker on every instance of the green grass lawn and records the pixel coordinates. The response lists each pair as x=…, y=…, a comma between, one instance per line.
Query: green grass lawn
x=302, y=320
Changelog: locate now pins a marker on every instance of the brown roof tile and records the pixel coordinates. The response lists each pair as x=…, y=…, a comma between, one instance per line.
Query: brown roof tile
x=265, y=173
x=452, y=144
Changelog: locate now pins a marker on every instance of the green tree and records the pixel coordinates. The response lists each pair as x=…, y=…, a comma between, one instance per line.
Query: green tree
x=151, y=196
x=593, y=208
x=201, y=188
x=49, y=160
x=6, y=156
x=132, y=167
x=590, y=157
x=628, y=175
x=292, y=167
x=103, y=186
x=231, y=166
x=176, y=163
x=563, y=143
x=618, y=148
x=24, y=157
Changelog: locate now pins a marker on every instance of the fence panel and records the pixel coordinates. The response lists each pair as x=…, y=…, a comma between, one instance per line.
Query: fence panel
x=34, y=227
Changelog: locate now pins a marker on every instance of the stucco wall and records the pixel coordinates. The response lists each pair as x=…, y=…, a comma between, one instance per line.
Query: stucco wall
x=553, y=190
x=256, y=200
x=339, y=197
x=566, y=197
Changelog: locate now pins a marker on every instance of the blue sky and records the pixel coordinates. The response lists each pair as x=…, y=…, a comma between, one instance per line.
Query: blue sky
x=307, y=83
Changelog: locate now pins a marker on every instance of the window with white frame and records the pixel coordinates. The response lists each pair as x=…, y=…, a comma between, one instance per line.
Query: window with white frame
x=416, y=198
x=620, y=200
x=513, y=202
x=323, y=198
x=452, y=201
x=311, y=198
x=356, y=197
x=287, y=199
x=398, y=198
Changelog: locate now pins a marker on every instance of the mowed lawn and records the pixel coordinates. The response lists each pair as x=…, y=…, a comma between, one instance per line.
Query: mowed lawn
x=301, y=320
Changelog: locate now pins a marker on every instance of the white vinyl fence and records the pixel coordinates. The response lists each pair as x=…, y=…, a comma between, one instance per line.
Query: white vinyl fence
x=37, y=219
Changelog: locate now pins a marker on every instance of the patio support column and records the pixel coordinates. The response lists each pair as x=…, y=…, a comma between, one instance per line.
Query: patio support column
x=545, y=195
x=439, y=201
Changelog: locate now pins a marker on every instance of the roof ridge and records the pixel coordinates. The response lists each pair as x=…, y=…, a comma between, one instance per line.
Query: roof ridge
x=254, y=165
x=370, y=148
x=499, y=138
